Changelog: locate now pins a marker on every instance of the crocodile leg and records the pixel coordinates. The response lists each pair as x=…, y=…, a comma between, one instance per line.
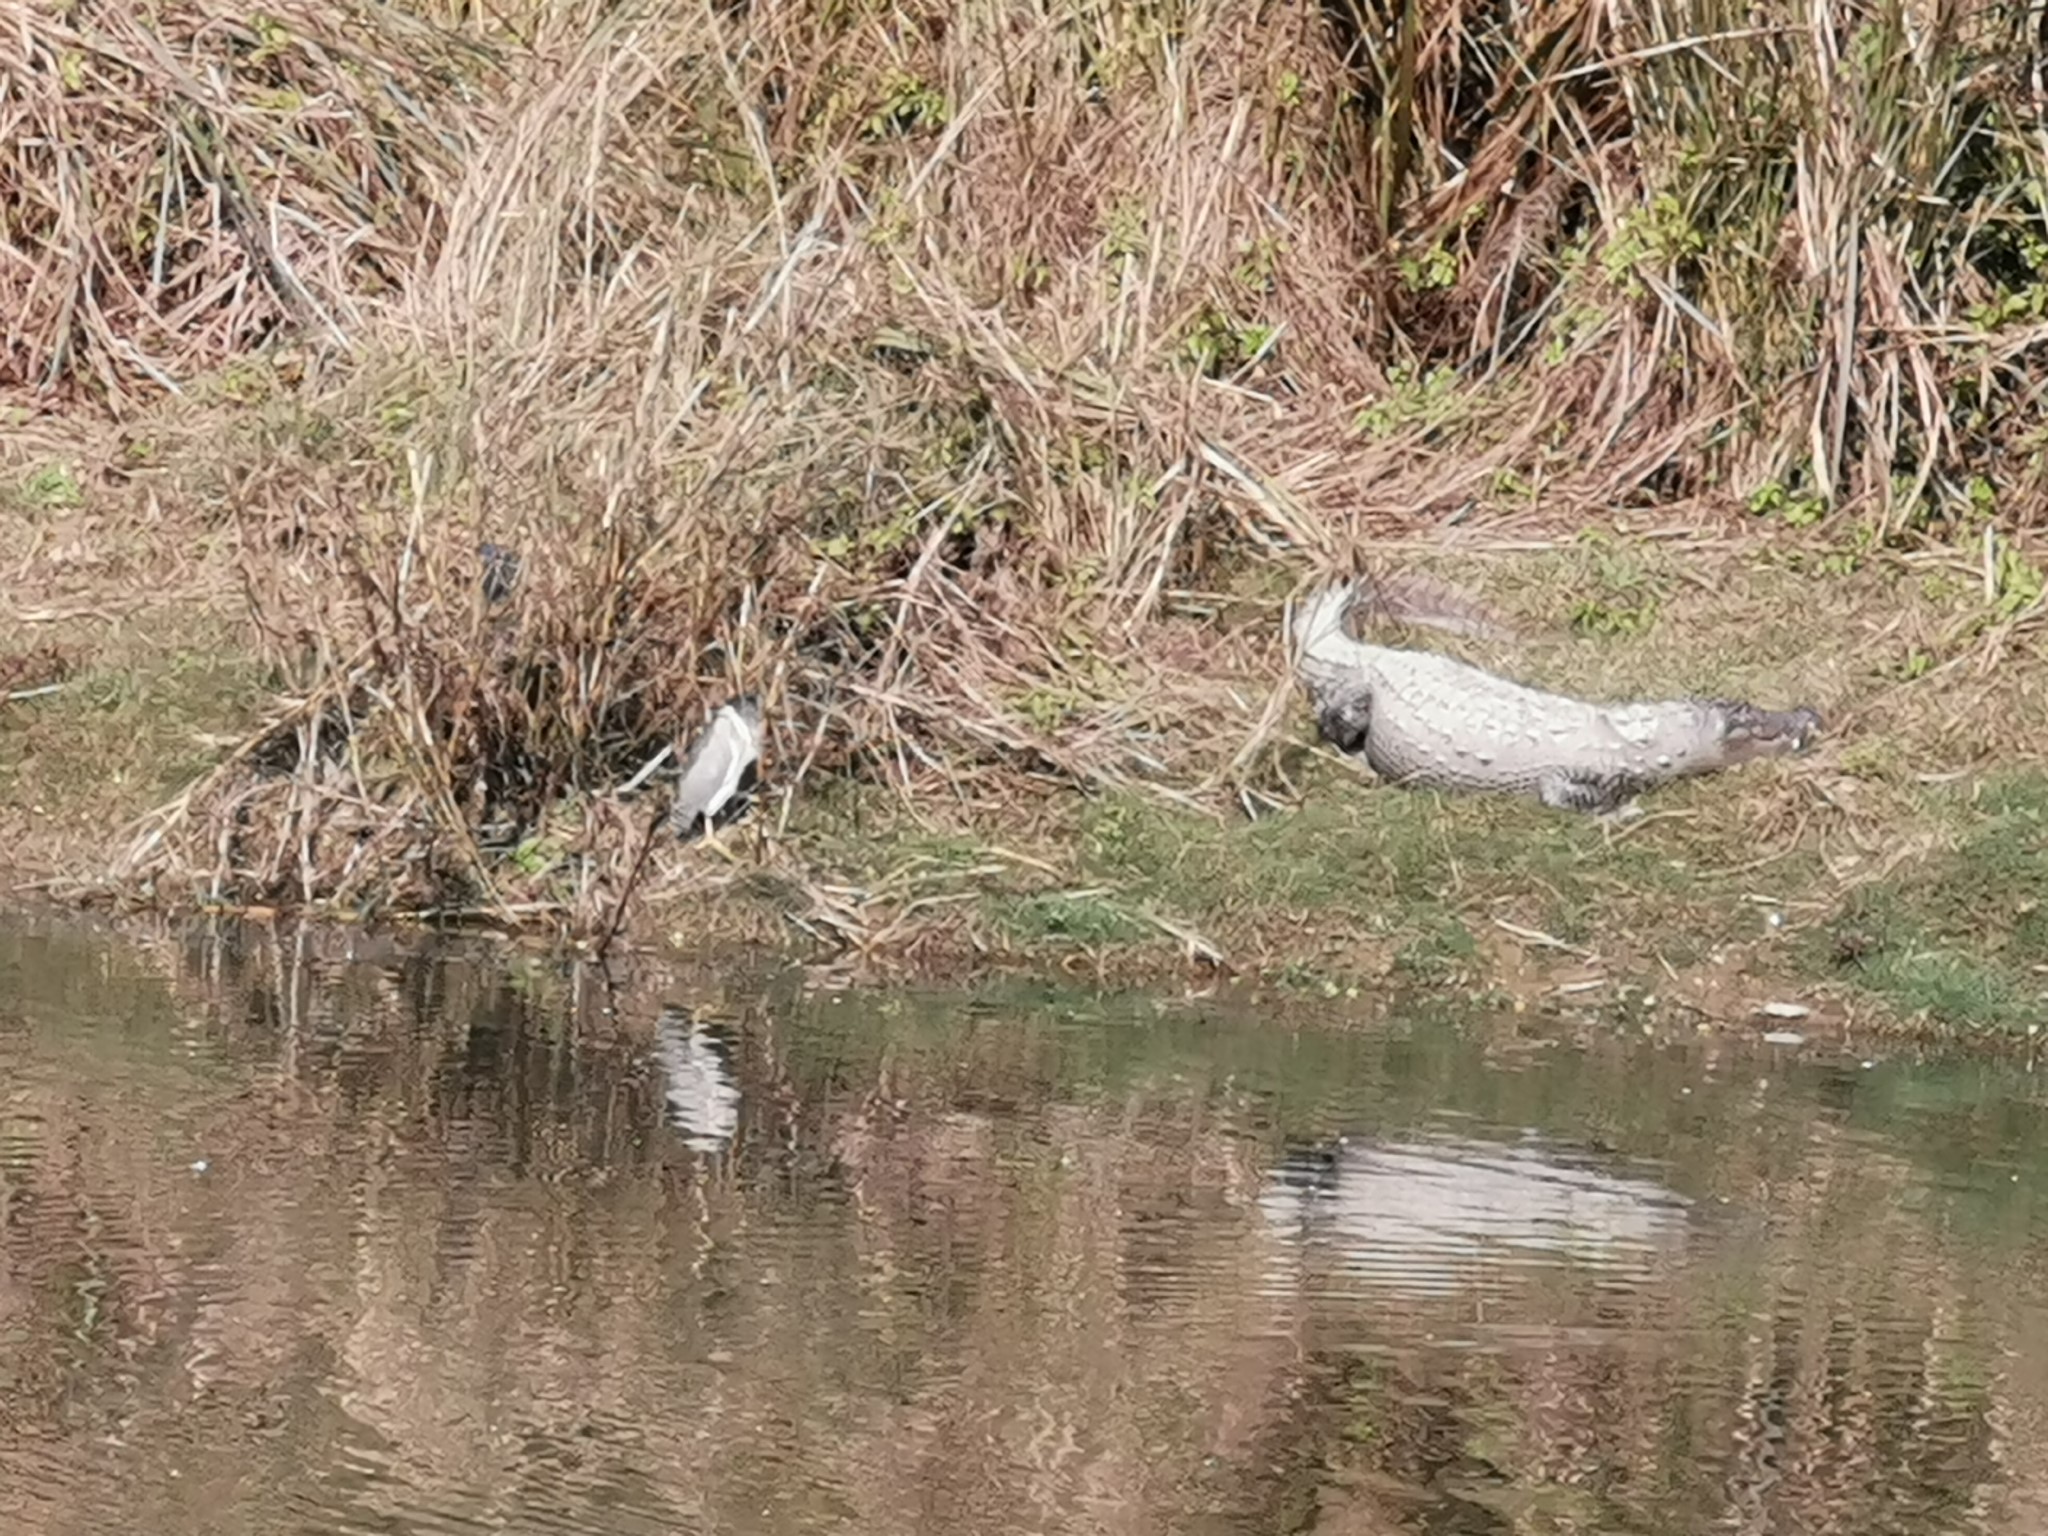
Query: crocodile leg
x=1345, y=718
x=1564, y=790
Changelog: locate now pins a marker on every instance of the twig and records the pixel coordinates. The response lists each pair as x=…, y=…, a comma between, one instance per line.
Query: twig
x=611, y=931
x=1541, y=939
x=647, y=770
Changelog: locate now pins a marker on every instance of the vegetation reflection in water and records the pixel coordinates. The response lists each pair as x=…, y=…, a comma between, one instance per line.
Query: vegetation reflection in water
x=294, y=1243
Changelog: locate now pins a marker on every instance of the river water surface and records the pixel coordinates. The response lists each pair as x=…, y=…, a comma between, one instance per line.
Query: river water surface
x=294, y=1242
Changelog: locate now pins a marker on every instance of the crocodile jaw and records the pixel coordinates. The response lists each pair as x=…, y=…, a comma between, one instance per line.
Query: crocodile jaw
x=1748, y=732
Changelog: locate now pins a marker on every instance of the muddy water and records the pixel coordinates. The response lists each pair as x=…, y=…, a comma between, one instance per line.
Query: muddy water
x=291, y=1242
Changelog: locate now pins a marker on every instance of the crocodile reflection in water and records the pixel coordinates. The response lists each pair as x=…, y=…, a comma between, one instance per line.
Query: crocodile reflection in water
x=1423, y=1219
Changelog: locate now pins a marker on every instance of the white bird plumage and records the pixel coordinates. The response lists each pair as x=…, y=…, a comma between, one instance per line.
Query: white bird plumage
x=718, y=765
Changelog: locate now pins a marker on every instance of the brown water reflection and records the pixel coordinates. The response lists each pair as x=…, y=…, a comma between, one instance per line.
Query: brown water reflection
x=293, y=1243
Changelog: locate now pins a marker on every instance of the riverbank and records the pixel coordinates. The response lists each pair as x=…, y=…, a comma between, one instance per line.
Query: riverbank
x=975, y=386
x=1889, y=879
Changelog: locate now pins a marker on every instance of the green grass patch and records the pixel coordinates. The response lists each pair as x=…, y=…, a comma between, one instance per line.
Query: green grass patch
x=1960, y=938
x=1395, y=863
x=1444, y=953
x=865, y=833
x=126, y=732
x=1357, y=880
x=51, y=488
x=1085, y=918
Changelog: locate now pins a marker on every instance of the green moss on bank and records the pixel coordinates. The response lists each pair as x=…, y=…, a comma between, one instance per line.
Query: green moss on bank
x=1958, y=937
x=1365, y=887
x=142, y=712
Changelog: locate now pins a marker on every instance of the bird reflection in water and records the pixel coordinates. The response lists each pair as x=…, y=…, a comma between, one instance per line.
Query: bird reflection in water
x=702, y=1092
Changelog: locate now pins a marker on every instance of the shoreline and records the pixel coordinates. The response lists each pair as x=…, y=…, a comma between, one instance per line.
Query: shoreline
x=976, y=388
x=1350, y=891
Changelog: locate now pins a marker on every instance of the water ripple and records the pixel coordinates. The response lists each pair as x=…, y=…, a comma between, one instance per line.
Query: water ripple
x=1430, y=1220
x=291, y=1241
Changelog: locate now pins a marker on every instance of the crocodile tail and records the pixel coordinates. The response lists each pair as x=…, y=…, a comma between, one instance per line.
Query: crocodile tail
x=1412, y=597
x=1320, y=619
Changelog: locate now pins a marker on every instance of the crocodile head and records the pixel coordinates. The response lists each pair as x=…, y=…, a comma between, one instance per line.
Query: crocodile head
x=1748, y=732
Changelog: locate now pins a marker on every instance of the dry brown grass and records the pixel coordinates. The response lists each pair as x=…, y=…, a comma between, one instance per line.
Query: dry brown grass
x=973, y=381
x=184, y=182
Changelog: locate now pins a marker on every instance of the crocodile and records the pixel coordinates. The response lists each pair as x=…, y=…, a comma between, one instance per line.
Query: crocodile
x=1427, y=720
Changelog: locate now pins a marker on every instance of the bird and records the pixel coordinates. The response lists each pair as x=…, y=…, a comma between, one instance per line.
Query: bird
x=720, y=769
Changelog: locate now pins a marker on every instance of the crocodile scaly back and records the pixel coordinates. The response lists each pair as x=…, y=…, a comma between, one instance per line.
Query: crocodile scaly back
x=1429, y=720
